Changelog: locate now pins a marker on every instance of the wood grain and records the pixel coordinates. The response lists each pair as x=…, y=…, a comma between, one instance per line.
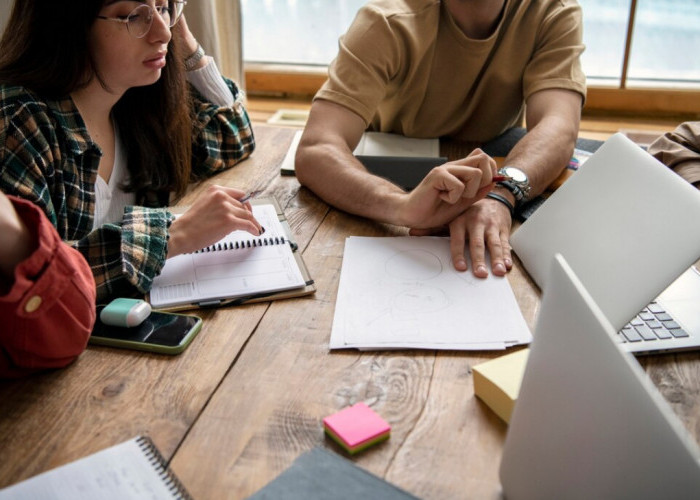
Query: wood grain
x=110, y=395
x=269, y=408
x=248, y=395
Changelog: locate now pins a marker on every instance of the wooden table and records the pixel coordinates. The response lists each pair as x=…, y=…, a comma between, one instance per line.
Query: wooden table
x=247, y=397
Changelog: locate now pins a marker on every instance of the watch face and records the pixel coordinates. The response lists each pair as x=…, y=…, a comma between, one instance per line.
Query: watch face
x=515, y=173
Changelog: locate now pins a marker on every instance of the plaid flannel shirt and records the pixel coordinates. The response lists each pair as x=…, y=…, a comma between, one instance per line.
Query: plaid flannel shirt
x=47, y=157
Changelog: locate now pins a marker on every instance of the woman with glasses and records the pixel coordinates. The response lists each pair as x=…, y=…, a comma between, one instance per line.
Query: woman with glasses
x=108, y=108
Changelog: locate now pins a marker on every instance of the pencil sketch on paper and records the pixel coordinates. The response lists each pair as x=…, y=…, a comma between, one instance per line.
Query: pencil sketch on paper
x=417, y=266
x=405, y=290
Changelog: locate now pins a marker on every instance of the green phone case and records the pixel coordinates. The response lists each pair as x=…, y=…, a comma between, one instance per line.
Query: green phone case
x=141, y=345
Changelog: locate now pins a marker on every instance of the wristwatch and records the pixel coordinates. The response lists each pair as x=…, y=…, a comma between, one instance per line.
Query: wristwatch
x=519, y=184
x=193, y=59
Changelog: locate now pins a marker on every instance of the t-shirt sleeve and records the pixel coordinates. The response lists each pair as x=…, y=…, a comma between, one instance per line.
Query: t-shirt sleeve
x=359, y=75
x=556, y=62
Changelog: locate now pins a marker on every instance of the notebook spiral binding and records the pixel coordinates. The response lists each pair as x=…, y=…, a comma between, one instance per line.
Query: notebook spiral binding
x=160, y=465
x=277, y=240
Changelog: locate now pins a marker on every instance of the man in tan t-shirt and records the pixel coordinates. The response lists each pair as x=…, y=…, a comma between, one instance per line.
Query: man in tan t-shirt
x=466, y=70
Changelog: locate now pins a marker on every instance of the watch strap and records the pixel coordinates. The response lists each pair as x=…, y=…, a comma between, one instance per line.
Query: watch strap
x=513, y=188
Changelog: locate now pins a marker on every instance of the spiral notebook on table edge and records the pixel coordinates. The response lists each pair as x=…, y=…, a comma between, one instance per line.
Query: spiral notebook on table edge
x=305, y=287
x=132, y=469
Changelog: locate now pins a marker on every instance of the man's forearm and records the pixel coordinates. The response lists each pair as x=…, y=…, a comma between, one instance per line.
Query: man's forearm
x=340, y=180
x=544, y=152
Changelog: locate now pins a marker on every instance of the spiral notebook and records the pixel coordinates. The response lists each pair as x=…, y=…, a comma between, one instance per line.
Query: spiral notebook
x=239, y=268
x=134, y=469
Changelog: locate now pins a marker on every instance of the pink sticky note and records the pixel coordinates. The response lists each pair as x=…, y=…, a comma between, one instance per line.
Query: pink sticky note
x=356, y=427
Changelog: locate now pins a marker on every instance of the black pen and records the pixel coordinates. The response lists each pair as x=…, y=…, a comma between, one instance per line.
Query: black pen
x=248, y=197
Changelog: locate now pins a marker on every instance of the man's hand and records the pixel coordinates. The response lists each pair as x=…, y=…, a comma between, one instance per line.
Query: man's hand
x=486, y=224
x=447, y=191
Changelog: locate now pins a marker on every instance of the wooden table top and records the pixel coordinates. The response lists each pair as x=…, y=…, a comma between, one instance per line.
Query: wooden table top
x=248, y=395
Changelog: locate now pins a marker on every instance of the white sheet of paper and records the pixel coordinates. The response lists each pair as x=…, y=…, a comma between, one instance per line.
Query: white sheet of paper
x=403, y=292
x=287, y=166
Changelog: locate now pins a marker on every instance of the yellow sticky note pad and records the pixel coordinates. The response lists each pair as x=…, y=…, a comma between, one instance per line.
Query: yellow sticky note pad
x=497, y=382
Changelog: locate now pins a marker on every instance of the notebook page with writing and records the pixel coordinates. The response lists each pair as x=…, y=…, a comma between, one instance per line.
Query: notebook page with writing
x=133, y=469
x=238, y=265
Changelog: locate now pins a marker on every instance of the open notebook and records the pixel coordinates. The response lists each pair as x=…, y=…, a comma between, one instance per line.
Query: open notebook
x=131, y=470
x=239, y=268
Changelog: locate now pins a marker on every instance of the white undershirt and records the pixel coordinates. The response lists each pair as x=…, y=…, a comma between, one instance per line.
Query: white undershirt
x=110, y=200
x=208, y=81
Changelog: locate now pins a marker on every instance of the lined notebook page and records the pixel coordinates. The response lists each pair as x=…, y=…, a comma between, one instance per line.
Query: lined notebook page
x=238, y=265
x=133, y=469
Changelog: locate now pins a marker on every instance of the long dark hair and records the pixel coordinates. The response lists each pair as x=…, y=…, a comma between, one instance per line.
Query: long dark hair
x=45, y=49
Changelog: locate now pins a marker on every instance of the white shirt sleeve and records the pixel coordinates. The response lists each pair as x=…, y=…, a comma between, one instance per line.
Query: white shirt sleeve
x=209, y=82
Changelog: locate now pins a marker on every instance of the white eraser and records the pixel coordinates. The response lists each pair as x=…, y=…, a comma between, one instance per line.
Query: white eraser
x=125, y=313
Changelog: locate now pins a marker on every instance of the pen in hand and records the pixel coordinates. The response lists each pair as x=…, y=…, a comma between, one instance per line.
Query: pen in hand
x=247, y=197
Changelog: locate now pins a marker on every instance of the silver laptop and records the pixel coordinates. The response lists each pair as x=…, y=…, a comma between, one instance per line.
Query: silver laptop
x=588, y=422
x=628, y=226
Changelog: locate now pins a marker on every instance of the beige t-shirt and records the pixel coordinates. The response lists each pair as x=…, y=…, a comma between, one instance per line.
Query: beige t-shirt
x=680, y=150
x=405, y=66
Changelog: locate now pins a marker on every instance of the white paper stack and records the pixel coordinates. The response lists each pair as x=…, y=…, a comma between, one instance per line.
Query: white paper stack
x=403, y=292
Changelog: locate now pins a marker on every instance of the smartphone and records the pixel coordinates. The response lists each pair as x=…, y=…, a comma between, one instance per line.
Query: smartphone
x=165, y=333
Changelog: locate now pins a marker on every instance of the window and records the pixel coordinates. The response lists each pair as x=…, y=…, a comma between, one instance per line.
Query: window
x=663, y=48
x=298, y=38
x=295, y=31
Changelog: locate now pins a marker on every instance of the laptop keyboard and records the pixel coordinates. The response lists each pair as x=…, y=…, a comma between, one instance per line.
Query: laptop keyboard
x=652, y=323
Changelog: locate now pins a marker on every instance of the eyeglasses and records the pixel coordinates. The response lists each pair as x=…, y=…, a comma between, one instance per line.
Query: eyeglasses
x=139, y=20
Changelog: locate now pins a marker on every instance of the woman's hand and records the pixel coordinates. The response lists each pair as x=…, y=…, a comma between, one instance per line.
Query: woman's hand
x=214, y=215
x=190, y=42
